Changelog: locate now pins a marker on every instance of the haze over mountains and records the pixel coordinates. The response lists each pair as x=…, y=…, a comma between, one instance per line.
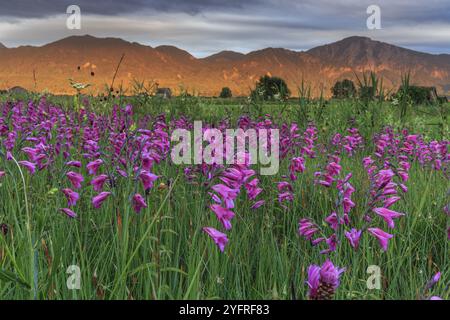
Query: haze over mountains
x=53, y=64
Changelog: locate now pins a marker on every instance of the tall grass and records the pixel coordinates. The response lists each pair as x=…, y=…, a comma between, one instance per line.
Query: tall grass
x=162, y=253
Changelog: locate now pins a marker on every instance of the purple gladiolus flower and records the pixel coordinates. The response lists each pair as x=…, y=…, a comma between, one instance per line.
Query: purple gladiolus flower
x=383, y=237
x=327, y=182
x=333, y=221
x=76, y=164
x=147, y=162
x=30, y=166
x=258, y=204
x=331, y=242
x=75, y=178
x=215, y=197
x=252, y=189
x=224, y=215
x=390, y=201
x=403, y=187
x=123, y=173
x=284, y=185
x=347, y=205
x=390, y=189
x=147, y=179
x=323, y=281
x=99, y=199
x=98, y=182
x=31, y=153
x=313, y=281
x=138, y=203
x=353, y=237
x=228, y=194
x=330, y=274
x=436, y=278
x=219, y=238
x=405, y=165
x=446, y=208
x=367, y=161
x=333, y=169
x=430, y=284
x=307, y=228
x=383, y=178
x=388, y=215
x=2, y=174
x=69, y=212
x=297, y=165
x=93, y=166
x=72, y=197
x=403, y=175
x=285, y=196
x=316, y=241
x=234, y=177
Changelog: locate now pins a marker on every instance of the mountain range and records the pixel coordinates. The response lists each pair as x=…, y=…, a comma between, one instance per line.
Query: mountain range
x=88, y=59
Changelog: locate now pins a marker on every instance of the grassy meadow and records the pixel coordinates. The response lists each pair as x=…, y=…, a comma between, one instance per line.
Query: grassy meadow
x=162, y=252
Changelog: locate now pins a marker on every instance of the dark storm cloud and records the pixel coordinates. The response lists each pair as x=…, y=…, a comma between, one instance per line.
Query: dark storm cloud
x=319, y=13
x=43, y=8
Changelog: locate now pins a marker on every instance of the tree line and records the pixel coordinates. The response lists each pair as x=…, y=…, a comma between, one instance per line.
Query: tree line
x=275, y=88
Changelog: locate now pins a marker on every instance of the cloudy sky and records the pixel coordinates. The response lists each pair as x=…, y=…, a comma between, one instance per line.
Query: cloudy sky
x=204, y=27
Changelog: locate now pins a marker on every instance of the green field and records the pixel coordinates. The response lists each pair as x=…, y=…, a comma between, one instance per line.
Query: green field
x=162, y=253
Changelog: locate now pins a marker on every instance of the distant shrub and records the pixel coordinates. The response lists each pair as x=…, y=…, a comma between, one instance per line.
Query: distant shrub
x=442, y=99
x=271, y=88
x=343, y=89
x=370, y=88
x=225, y=93
x=421, y=95
x=367, y=92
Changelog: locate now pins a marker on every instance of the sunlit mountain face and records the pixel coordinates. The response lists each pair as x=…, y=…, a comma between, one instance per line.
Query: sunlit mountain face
x=94, y=60
x=232, y=43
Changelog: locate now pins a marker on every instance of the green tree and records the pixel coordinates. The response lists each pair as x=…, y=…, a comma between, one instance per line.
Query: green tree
x=420, y=95
x=226, y=93
x=367, y=93
x=344, y=89
x=271, y=88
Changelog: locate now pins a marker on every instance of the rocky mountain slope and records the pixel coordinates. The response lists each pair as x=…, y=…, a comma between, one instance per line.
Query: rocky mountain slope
x=93, y=60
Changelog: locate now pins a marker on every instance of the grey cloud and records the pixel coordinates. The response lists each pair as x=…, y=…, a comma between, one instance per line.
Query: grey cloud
x=319, y=13
x=203, y=27
x=44, y=8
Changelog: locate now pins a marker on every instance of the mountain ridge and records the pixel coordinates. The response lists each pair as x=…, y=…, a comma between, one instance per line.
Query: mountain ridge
x=225, y=55
x=93, y=60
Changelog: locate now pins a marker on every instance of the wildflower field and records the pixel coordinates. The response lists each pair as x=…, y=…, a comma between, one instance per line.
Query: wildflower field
x=92, y=206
